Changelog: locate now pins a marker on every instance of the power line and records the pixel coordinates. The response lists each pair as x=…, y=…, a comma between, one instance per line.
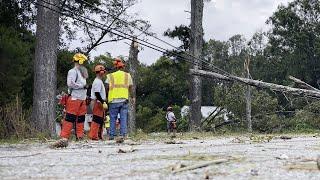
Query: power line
x=115, y=17
x=125, y=22
x=142, y=42
x=145, y=43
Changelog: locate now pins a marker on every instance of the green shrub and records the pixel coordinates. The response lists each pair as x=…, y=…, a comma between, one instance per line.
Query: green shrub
x=14, y=121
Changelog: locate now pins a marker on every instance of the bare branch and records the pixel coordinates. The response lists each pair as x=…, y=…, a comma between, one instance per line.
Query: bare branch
x=104, y=33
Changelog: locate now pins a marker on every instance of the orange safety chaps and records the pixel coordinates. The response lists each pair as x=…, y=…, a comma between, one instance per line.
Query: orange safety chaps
x=96, y=128
x=75, y=117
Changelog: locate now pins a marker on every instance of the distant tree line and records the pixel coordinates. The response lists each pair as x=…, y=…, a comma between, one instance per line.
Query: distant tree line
x=290, y=47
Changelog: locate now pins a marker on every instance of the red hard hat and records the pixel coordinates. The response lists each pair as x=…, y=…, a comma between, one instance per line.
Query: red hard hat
x=118, y=63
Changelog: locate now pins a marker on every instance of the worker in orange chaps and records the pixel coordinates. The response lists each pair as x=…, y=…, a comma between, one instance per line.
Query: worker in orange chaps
x=76, y=103
x=98, y=95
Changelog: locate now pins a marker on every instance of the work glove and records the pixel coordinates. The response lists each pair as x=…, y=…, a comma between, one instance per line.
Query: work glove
x=105, y=105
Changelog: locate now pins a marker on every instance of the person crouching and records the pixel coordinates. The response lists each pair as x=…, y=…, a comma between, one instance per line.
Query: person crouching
x=98, y=95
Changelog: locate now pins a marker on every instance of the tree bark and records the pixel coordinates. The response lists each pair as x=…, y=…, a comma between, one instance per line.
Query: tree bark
x=259, y=84
x=45, y=68
x=303, y=84
x=196, y=43
x=248, y=96
x=133, y=65
x=248, y=108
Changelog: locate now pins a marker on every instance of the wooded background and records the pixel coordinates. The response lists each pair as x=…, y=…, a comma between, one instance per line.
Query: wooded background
x=290, y=47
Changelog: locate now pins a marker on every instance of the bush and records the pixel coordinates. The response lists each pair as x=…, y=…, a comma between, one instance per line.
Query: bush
x=154, y=120
x=307, y=119
x=14, y=121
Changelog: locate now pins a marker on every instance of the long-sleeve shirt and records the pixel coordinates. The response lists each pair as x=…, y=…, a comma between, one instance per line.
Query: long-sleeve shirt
x=76, y=84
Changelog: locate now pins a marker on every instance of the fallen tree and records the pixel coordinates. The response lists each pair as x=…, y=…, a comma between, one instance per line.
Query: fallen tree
x=314, y=93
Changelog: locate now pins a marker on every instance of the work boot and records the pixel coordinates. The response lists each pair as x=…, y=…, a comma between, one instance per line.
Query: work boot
x=120, y=139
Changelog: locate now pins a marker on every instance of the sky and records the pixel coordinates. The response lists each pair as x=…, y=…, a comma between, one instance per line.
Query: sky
x=221, y=20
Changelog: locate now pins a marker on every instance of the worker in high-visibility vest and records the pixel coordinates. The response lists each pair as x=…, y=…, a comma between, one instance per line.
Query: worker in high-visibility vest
x=119, y=84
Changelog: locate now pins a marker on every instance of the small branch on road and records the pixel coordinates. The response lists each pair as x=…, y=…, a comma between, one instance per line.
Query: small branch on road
x=2, y=157
x=202, y=165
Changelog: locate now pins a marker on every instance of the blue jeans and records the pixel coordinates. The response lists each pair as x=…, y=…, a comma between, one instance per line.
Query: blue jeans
x=114, y=110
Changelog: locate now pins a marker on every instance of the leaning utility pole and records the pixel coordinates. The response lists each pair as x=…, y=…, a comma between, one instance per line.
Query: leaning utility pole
x=196, y=43
x=133, y=65
x=45, y=67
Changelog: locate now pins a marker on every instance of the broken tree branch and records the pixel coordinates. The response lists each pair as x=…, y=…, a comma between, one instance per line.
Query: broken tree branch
x=218, y=161
x=259, y=84
x=303, y=84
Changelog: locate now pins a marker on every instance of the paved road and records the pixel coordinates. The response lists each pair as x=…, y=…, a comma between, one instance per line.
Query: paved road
x=246, y=158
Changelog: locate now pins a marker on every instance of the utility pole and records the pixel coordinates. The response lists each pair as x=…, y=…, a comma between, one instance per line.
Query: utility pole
x=45, y=67
x=133, y=65
x=248, y=94
x=196, y=43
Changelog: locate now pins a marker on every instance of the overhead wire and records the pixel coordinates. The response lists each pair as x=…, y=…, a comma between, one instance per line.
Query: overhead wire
x=147, y=44
x=125, y=22
x=148, y=34
x=125, y=35
x=144, y=43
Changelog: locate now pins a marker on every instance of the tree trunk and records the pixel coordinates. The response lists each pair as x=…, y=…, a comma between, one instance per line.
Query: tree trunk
x=196, y=42
x=133, y=65
x=248, y=96
x=45, y=68
x=248, y=108
x=259, y=84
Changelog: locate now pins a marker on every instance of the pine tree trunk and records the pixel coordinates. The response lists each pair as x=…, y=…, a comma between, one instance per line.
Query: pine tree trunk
x=248, y=108
x=45, y=68
x=133, y=65
x=248, y=95
x=196, y=43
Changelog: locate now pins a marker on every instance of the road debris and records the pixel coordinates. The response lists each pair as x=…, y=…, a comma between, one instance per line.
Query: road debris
x=126, y=149
x=238, y=140
x=282, y=157
x=177, y=166
x=201, y=165
x=254, y=172
x=61, y=143
x=285, y=137
x=173, y=142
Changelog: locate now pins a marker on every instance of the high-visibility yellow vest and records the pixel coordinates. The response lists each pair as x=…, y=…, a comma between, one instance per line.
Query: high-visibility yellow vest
x=118, y=85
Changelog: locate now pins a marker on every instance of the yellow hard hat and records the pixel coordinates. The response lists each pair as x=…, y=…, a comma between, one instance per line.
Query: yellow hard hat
x=80, y=58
